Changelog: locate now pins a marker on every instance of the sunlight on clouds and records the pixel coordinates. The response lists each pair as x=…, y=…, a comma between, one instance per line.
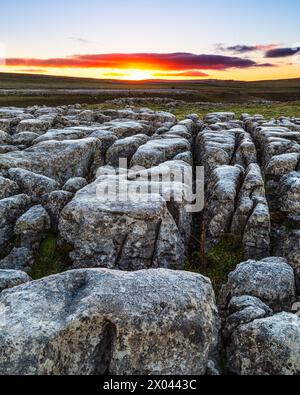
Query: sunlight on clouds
x=250, y=74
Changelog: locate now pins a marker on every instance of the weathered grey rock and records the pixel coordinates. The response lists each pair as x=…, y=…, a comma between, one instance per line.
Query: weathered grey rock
x=212, y=369
x=4, y=149
x=268, y=346
x=214, y=149
x=183, y=129
x=156, y=152
x=20, y=258
x=34, y=185
x=123, y=124
x=177, y=193
x=24, y=138
x=54, y=203
x=60, y=160
x=239, y=303
x=289, y=193
x=12, y=278
x=7, y=124
x=293, y=248
x=72, y=133
x=5, y=138
x=46, y=111
x=242, y=310
x=144, y=114
x=35, y=219
x=252, y=218
x=130, y=234
x=123, y=128
x=224, y=147
x=74, y=185
x=282, y=164
x=215, y=117
x=108, y=322
x=160, y=131
x=38, y=126
x=274, y=141
x=193, y=117
x=290, y=244
x=10, y=210
x=186, y=157
x=7, y=188
x=221, y=126
x=245, y=150
x=99, y=117
x=222, y=191
x=86, y=116
x=125, y=149
x=272, y=280
x=32, y=226
x=106, y=138
x=236, y=204
x=12, y=207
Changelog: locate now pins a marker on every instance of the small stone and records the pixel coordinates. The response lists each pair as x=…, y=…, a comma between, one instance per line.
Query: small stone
x=12, y=278
x=74, y=185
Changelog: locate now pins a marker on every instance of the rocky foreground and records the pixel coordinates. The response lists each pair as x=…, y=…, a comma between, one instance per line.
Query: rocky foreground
x=122, y=302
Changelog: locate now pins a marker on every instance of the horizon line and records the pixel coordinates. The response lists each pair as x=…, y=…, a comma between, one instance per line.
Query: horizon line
x=123, y=81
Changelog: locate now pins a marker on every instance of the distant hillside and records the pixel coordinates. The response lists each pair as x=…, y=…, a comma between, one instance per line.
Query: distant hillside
x=193, y=91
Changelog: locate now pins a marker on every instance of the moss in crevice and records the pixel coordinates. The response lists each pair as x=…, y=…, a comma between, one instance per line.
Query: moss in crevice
x=51, y=258
x=220, y=261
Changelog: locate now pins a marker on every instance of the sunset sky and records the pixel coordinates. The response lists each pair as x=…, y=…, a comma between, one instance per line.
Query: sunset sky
x=142, y=39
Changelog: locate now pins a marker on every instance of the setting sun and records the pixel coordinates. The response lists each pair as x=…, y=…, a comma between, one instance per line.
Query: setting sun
x=137, y=75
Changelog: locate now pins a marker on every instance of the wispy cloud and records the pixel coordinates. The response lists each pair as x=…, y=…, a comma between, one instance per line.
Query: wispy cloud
x=244, y=48
x=82, y=40
x=267, y=65
x=79, y=40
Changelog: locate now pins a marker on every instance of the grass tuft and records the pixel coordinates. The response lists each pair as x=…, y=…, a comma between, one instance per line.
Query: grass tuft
x=50, y=259
x=220, y=261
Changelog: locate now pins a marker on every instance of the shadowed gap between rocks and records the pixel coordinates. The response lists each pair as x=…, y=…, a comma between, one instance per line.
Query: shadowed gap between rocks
x=104, y=350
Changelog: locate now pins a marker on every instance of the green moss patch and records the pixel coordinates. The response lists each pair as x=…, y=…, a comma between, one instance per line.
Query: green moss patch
x=219, y=262
x=50, y=258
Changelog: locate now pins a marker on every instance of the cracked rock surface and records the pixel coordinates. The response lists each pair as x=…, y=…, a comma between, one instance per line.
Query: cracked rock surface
x=108, y=245
x=109, y=322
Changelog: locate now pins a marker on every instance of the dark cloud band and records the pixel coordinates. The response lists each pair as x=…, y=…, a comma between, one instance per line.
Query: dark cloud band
x=282, y=52
x=151, y=61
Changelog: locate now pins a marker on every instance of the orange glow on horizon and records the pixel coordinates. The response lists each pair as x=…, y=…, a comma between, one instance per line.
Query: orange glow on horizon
x=140, y=74
x=135, y=75
x=147, y=66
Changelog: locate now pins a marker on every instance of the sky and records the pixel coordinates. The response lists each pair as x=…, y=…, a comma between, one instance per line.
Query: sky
x=141, y=39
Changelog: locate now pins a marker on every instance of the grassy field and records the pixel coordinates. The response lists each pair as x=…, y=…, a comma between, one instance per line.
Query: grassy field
x=269, y=111
x=192, y=91
x=238, y=97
